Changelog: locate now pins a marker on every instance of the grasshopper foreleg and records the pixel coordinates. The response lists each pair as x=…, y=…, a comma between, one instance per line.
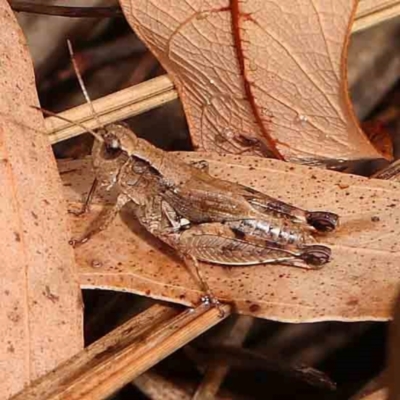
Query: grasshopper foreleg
x=86, y=206
x=103, y=222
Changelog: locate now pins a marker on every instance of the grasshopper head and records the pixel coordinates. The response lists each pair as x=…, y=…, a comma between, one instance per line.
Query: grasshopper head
x=109, y=155
x=117, y=144
x=120, y=137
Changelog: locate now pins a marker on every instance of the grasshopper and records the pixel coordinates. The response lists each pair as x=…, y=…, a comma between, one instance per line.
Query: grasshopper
x=202, y=217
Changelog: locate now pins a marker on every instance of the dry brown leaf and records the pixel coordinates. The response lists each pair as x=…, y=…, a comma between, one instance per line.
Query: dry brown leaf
x=256, y=74
x=40, y=313
x=359, y=283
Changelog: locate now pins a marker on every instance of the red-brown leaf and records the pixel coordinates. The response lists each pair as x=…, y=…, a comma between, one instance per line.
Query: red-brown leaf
x=258, y=74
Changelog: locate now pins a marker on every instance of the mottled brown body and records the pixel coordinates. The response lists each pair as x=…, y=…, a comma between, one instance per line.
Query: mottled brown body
x=203, y=217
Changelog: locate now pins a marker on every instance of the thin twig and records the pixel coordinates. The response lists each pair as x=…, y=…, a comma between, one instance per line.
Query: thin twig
x=390, y=173
x=247, y=360
x=375, y=387
x=380, y=394
x=217, y=369
x=157, y=387
x=65, y=11
x=97, y=353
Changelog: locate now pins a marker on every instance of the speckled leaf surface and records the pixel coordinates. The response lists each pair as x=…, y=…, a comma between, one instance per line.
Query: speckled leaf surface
x=358, y=284
x=41, y=311
x=256, y=74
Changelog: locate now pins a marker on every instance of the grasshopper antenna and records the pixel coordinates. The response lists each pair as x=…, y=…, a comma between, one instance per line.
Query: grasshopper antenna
x=86, y=95
x=81, y=83
x=53, y=114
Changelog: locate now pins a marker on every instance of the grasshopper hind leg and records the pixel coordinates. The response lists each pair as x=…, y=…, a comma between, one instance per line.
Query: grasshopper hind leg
x=218, y=244
x=316, y=255
x=164, y=223
x=209, y=297
x=311, y=257
x=322, y=221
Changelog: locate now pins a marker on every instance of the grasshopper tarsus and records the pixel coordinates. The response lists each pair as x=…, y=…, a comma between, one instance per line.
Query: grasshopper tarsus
x=77, y=242
x=322, y=221
x=208, y=297
x=212, y=301
x=316, y=256
x=104, y=222
x=86, y=206
x=79, y=213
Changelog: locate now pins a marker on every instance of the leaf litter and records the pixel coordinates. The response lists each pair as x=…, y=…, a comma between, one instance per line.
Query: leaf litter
x=358, y=284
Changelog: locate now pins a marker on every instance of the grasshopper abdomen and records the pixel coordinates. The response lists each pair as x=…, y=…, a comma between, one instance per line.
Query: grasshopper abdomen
x=277, y=230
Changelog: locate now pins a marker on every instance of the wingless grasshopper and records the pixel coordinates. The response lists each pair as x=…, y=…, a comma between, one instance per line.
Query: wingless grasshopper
x=202, y=217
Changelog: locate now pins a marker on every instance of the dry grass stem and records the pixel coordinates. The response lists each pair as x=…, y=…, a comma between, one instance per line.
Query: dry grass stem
x=373, y=12
x=115, y=107
x=158, y=91
x=119, y=357
x=57, y=383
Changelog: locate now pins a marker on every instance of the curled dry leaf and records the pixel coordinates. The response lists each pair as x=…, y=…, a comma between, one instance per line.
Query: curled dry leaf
x=258, y=74
x=358, y=284
x=40, y=313
x=379, y=135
